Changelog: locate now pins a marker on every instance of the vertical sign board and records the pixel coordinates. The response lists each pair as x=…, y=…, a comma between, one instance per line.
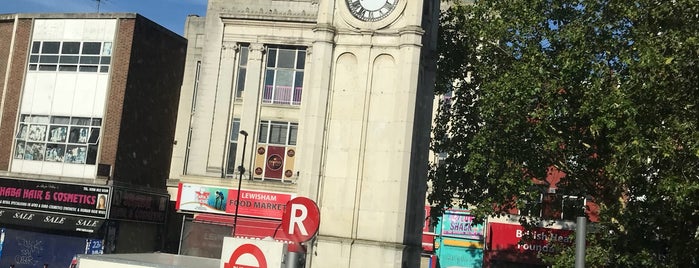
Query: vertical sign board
x=249, y=253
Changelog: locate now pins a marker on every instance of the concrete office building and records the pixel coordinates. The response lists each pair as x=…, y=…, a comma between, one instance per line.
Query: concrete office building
x=87, y=117
x=336, y=100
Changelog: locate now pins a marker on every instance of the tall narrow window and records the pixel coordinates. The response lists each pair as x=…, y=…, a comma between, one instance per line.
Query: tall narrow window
x=242, y=69
x=284, y=75
x=233, y=146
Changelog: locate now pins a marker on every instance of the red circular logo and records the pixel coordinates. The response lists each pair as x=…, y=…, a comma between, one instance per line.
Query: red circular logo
x=301, y=219
x=246, y=249
x=274, y=162
x=261, y=150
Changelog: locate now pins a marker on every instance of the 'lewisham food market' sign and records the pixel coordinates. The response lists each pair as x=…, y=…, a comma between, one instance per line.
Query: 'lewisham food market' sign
x=213, y=199
x=61, y=198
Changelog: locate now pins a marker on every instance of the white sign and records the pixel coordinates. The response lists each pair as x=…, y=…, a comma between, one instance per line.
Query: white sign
x=249, y=253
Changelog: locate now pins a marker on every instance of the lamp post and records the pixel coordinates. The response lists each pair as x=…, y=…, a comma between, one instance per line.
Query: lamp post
x=241, y=170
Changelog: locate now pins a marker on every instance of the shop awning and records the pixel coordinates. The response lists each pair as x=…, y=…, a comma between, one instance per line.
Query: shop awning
x=250, y=228
x=50, y=221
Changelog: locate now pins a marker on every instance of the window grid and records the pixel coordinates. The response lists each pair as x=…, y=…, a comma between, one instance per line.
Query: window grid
x=70, y=56
x=276, y=132
x=284, y=75
x=57, y=139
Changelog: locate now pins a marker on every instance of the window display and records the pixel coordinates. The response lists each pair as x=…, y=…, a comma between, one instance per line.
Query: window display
x=64, y=139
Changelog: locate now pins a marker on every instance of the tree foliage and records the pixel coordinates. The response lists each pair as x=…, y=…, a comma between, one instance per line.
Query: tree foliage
x=605, y=91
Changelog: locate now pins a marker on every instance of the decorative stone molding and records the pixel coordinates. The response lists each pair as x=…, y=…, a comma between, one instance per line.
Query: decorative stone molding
x=229, y=49
x=273, y=14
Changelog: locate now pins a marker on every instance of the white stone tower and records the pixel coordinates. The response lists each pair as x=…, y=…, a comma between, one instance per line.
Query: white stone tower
x=365, y=130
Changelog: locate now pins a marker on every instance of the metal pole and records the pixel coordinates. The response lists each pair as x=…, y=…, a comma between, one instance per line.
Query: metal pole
x=241, y=170
x=580, y=242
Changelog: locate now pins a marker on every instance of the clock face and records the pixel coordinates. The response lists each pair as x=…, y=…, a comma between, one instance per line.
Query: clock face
x=371, y=10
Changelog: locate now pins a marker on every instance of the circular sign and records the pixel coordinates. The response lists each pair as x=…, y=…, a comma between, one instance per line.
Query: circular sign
x=301, y=219
x=274, y=162
x=246, y=249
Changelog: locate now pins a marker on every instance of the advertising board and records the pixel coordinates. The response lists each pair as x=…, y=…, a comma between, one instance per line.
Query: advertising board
x=54, y=197
x=213, y=199
x=513, y=237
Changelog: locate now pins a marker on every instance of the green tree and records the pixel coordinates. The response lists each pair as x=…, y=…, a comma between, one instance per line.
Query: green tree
x=605, y=91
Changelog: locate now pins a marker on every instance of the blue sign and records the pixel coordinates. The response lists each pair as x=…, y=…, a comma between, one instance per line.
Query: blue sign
x=456, y=223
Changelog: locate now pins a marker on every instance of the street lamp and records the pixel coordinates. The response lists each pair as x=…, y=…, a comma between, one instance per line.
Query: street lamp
x=241, y=170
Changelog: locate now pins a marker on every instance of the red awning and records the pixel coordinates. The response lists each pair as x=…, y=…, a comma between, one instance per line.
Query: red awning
x=251, y=228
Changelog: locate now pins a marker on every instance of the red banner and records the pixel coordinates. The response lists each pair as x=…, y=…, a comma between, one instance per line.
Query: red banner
x=507, y=237
x=274, y=163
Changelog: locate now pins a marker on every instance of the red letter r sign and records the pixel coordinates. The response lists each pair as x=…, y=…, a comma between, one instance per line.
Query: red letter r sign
x=301, y=219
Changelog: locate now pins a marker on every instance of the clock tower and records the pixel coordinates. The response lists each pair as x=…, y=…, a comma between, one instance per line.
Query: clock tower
x=365, y=128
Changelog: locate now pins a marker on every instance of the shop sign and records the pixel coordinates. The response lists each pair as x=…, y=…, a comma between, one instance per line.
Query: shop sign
x=507, y=237
x=212, y=199
x=248, y=253
x=49, y=221
x=458, y=223
x=133, y=205
x=458, y=256
x=62, y=198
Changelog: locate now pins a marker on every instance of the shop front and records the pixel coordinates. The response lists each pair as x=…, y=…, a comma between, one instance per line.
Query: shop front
x=136, y=220
x=510, y=245
x=209, y=216
x=460, y=240
x=49, y=223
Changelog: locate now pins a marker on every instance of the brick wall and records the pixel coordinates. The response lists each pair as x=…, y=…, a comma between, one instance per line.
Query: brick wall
x=117, y=87
x=150, y=105
x=14, y=82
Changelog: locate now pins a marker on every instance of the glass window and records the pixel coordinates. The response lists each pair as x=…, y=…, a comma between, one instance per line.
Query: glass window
x=242, y=70
x=69, y=59
x=47, y=67
x=264, y=131
x=286, y=58
x=233, y=146
x=284, y=76
x=91, y=48
x=50, y=47
x=58, y=134
x=301, y=61
x=272, y=57
x=36, y=46
x=75, y=154
x=89, y=60
x=293, y=132
x=88, y=69
x=107, y=49
x=57, y=139
x=277, y=132
x=55, y=152
x=70, y=48
x=68, y=68
x=48, y=59
x=70, y=56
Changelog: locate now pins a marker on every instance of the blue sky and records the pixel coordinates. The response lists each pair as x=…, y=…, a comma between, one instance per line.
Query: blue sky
x=169, y=13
